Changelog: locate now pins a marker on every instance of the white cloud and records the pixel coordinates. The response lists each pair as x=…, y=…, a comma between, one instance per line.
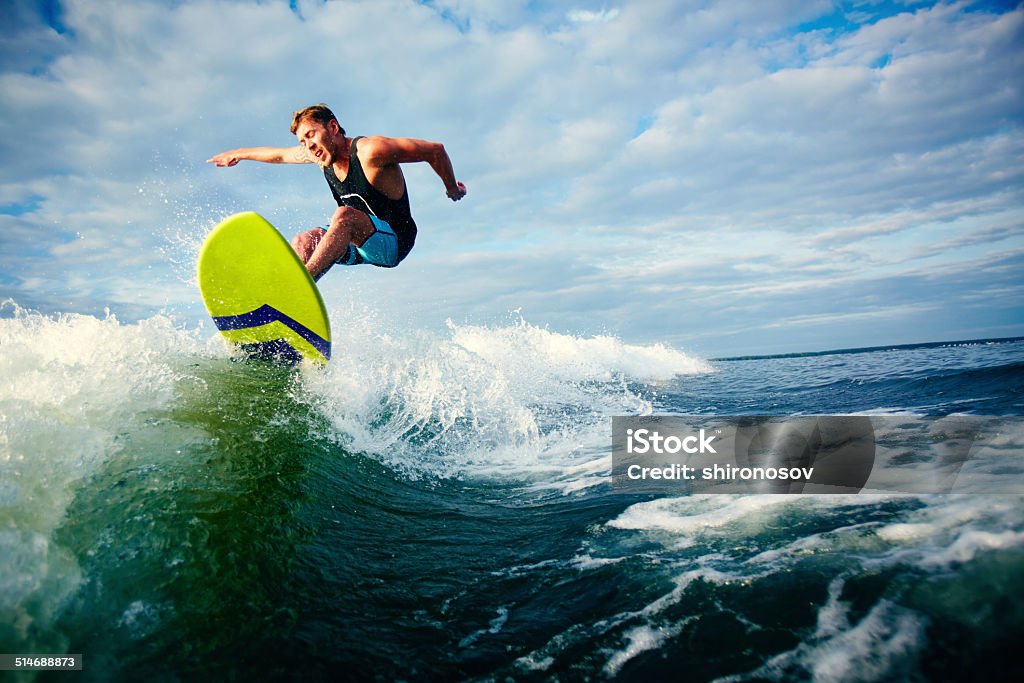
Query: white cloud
x=583, y=16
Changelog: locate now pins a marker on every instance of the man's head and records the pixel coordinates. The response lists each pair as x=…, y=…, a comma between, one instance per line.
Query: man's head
x=320, y=113
x=319, y=132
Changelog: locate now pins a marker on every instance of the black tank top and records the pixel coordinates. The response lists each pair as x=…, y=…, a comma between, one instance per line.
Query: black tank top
x=357, y=192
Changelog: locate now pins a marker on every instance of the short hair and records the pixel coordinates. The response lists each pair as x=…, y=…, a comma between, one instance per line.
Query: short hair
x=320, y=113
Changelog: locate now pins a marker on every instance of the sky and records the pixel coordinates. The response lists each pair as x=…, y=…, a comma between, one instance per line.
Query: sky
x=726, y=178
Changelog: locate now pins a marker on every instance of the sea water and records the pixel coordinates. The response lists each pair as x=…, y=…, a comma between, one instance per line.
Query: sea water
x=436, y=505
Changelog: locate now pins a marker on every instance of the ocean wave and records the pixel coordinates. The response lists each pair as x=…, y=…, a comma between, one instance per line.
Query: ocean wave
x=71, y=388
x=923, y=549
x=513, y=400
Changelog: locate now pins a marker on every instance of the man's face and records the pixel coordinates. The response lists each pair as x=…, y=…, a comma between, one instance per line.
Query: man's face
x=318, y=141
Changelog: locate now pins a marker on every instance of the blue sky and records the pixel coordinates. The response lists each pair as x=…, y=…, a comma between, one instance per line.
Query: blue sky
x=723, y=177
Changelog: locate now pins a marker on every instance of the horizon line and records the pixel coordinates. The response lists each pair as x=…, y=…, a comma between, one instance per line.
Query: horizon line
x=866, y=349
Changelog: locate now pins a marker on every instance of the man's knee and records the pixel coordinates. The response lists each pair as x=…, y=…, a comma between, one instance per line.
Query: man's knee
x=358, y=223
x=346, y=214
x=304, y=238
x=305, y=242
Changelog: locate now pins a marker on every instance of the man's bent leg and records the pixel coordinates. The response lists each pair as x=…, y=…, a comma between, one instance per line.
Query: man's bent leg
x=348, y=226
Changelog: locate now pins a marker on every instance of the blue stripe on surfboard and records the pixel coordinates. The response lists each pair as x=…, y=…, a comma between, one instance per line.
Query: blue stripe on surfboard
x=268, y=314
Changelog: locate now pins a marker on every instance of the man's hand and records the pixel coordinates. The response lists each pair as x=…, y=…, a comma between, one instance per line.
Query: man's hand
x=225, y=158
x=458, y=193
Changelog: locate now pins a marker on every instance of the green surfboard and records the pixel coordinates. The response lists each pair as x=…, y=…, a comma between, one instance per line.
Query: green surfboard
x=259, y=293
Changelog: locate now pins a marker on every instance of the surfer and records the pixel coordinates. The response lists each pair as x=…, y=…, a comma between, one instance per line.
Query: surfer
x=373, y=223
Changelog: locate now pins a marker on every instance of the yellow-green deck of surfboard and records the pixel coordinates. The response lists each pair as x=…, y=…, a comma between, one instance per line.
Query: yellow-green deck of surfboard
x=253, y=281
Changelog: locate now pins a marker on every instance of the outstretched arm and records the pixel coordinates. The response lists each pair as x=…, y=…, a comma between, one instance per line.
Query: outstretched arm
x=384, y=151
x=269, y=155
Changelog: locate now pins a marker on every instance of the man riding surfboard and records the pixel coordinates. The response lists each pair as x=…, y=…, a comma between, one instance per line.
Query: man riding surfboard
x=373, y=223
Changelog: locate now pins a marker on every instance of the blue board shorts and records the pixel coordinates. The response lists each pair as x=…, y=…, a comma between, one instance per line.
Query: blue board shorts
x=379, y=249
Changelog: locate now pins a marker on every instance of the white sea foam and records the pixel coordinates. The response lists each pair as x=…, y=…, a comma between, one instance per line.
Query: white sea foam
x=971, y=543
x=515, y=401
x=881, y=646
x=641, y=639
x=701, y=513
x=69, y=387
x=952, y=529
x=943, y=530
x=522, y=347
x=933, y=534
x=494, y=626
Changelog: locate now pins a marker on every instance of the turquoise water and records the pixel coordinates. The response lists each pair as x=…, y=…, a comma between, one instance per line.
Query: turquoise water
x=174, y=514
